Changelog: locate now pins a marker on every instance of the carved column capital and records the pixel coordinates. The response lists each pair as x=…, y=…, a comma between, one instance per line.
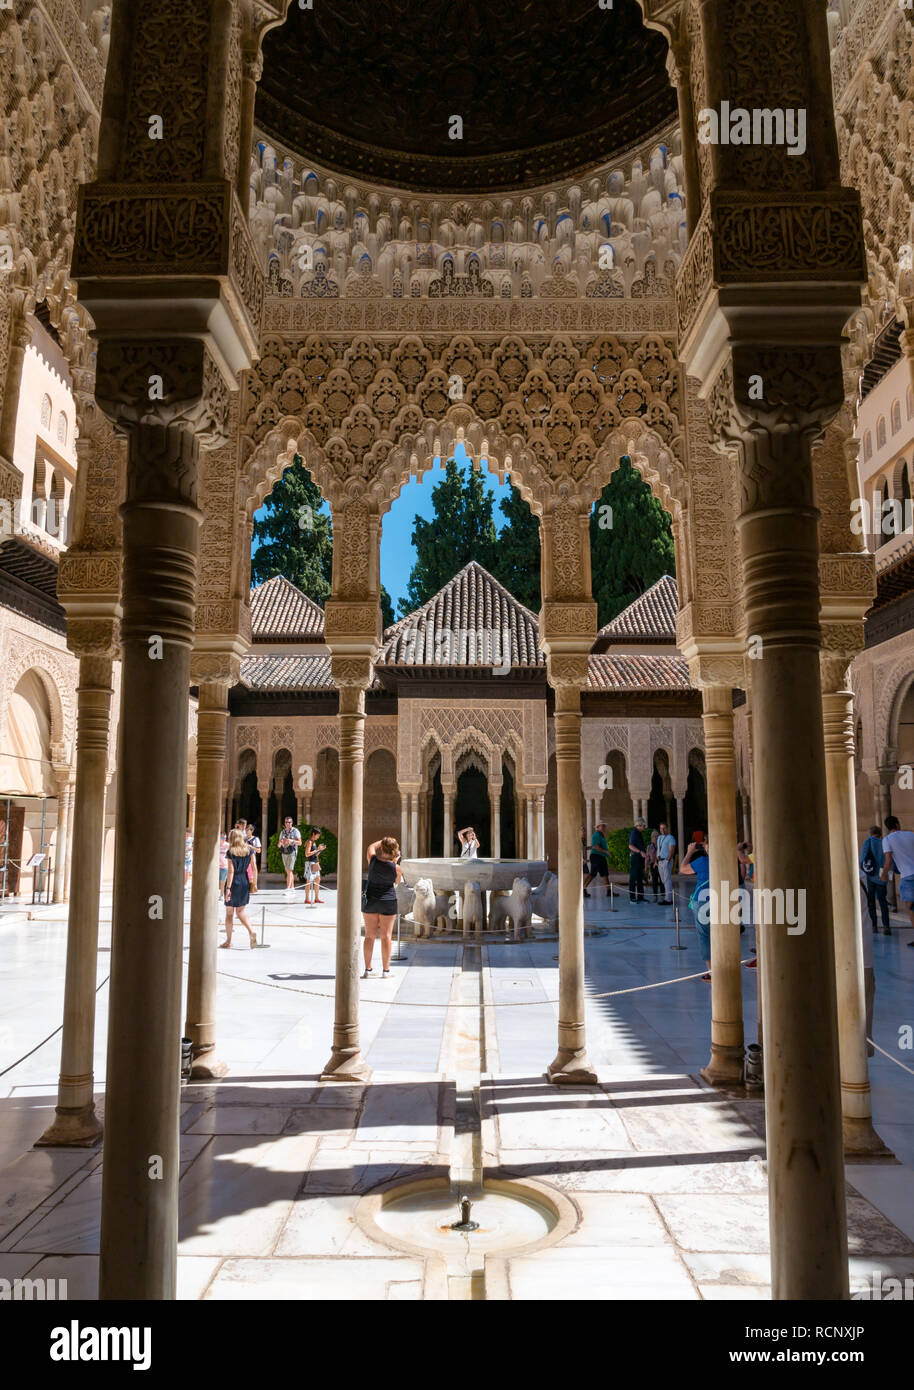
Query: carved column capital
x=165, y=383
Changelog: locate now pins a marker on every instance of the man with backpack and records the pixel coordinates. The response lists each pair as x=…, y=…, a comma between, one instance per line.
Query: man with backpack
x=898, y=849
x=871, y=859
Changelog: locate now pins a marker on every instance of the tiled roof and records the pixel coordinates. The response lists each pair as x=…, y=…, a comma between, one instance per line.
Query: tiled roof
x=293, y=672
x=651, y=618
x=465, y=624
x=637, y=673
x=280, y=610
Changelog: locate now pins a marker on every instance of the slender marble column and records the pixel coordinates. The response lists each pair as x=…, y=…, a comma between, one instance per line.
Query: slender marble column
x=680, y=826
x=856, y=1103
x=76, y=1121
x=414, y=824
x=571, y=1065
x=495, y=806
x=636, y=808
x=531, y=833
x=447, y=838
x=346, y=1061
x=71, y=802
x=591, y=805
x=200, y=1023
x=727, y=1047
x=404, y=824
x=60, y=840
x=139, y=1225
x=779, y=544
x=265, y=824
x=541, y=826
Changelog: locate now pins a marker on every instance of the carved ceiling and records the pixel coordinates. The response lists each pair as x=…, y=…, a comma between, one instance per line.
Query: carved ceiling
x=363, y=88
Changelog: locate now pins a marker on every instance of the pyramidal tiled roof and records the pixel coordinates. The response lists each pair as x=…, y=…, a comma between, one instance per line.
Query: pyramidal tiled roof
x=637, y=673
x=281, y=672
x=467, y=623
x=651, y=618
x=279, y=610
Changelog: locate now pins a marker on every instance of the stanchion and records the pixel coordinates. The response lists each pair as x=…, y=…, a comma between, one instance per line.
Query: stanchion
x=399, y=955
x=263, y=914
x=678, y=945
x=611, y=897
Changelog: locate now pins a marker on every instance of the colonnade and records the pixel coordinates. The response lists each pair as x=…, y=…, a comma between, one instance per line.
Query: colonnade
x=529, y=824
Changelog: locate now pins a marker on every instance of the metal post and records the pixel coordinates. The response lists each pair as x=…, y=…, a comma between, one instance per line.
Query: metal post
x=677, y=945
x=611, y=896
x=263, y=914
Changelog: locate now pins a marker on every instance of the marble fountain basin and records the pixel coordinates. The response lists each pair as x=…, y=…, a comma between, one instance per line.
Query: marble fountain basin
x=492, y=875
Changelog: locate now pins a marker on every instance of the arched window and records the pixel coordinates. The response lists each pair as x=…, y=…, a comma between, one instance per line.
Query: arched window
x=880, y=432
x=904, y=490
x=62, y=428
x=46, y=412
x=896, y=416
x=867, y=446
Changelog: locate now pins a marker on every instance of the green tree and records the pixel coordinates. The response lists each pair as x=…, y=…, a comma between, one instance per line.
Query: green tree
x=387, y=609
x=293, y=535
x=461, y=530
x=631, y=542
x=517, y=551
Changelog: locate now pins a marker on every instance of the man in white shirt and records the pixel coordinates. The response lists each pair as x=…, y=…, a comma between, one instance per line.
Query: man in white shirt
x=898, y=847
x=666, y=849
x=289, y=844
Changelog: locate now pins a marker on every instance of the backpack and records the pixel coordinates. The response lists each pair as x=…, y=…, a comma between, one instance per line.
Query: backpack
x=869, y=865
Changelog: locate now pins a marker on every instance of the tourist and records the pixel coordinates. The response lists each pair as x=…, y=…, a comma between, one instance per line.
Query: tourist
x=289, y=844
x=698, y=864
x=599, y=858
x=223, y=863
x=379, y=903
x=745, y=861
x=898, y=848
x=188, y=855
x=651, y=865
x=666, y=851
x=237, y=888
x=313, y=848
x=251, y=840
x=872, y=858
x=636, y=858
x=469, y=843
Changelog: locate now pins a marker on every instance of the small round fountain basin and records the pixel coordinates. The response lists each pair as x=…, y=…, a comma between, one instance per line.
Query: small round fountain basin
x=504, y=1222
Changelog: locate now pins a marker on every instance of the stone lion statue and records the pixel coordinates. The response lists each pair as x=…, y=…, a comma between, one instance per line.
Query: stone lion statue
x=474, y=912
x=429, y=908
x=544, y=900
x=516, y=906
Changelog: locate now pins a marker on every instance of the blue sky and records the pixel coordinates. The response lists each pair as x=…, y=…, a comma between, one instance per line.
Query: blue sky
x=397, y=553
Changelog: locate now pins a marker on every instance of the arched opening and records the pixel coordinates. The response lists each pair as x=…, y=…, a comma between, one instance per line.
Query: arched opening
x=615, y=805
x=471, y=803
x=658, y=805
x=381, y=798
x=695, y=804
x=506, y=809
x=326, y=794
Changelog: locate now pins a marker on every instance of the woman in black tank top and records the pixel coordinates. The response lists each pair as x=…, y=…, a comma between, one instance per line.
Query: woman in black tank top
x=380, y=902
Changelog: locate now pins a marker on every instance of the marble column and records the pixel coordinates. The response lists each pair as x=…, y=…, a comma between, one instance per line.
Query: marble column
x=540, y=826
x=76, y=1121
x=531, y=833
x=495, y=808
x=571, y=1065
x=856, y=1102
x=71, y=801
x=346, y=1061
x=138, y=1245
x=636, y=808
x=265, y=825
x=414, y=824
x=779, y=546
x=727, y=1048
x=447, y=840
x=200, y=1021
x=680, y=826
x=60, y=838
x=404, y=824
x=591, y=813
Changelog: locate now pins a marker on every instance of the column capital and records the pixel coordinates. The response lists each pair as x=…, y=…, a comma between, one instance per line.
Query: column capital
x=93, y=637
x=568, y=672
x=724, y=667
x=218, y=670
x=841, y=642
x=163, y=382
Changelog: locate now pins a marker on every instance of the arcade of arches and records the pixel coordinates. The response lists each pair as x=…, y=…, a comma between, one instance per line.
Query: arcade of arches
x=613, y=290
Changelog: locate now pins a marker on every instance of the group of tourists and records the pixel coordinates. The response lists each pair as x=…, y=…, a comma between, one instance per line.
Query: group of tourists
x=238, y=870
x=649, y=861
x=880, y=856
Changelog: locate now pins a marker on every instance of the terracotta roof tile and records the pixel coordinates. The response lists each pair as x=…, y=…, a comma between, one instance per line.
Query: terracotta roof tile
x=638, y=673
x=464, y=624
x=651, y=618
x=292, y=672
x=280, y=610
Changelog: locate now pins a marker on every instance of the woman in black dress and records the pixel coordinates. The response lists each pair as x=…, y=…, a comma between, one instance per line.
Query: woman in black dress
x=237, y=888
x=380, y=909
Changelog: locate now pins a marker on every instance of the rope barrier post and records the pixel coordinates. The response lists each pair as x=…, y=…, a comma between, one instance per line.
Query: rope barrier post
x=398, y=955
x=677, y=945
x=611, y=897
x=263, y=915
